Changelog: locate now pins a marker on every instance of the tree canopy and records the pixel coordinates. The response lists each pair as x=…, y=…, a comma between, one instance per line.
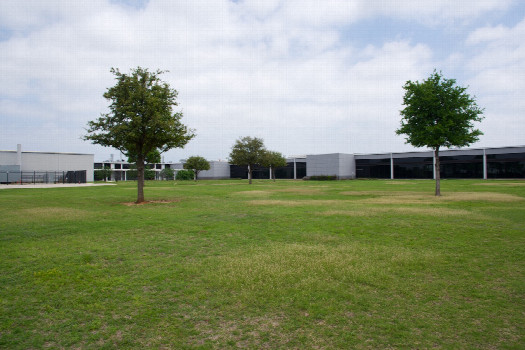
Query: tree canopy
x=438, y=113
x=197, y=164
x=141, y=119
x=247, y=151
x=272, y=160
x=151, y=158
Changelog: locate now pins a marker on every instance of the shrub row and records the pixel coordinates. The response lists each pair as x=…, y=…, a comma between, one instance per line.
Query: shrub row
x=321, y=177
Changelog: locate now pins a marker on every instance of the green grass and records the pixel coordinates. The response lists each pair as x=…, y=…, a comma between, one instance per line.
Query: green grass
x=305, y=265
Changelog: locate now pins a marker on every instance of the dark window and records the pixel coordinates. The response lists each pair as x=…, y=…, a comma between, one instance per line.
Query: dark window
x=125, y=166
x=158, y=166
x=413, y=168
x=118, y=166
x=373, y=168
x=98, y=166
x=167, y=166
x=461, y=167
x=506, y=165
x=107, y=166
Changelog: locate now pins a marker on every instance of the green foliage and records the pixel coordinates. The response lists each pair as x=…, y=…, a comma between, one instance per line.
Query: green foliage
x=197, y=164
x=132, y=173
x=273, y=160
x=152, y=157
x=141, y=119
x=322, y=178
x=102, y=174
x=167, y=174
x=149, y=174
x=248, y=151
x=184, y=175
x=439, y=114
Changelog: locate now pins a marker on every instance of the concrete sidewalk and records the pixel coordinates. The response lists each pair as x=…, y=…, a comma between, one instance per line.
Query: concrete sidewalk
x=4, y=187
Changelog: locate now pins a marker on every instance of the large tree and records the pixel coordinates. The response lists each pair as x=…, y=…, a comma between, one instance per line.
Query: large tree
x=141, y=119
x=197, y=164
x=247, y=151
x=438, y=113
x=273, y=160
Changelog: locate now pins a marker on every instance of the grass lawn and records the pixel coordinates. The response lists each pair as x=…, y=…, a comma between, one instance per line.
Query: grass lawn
x=292, y=264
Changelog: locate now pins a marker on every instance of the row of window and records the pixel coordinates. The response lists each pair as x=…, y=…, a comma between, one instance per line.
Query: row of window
x=125, y=166
x=509, y=165
x=259, y=172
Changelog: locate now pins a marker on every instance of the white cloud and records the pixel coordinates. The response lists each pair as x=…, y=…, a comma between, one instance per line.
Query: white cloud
x=497, y=70
x=276, y=69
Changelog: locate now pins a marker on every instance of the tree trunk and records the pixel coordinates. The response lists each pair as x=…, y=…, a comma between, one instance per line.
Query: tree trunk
x=438, y=175
x=249, y=174
x=140, y=179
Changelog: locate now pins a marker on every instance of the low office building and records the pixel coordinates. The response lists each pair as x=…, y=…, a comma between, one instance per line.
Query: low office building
x=120, y=169
x=476, y=163
x=49, y=167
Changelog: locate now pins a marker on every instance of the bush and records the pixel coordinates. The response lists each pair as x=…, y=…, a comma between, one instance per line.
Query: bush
x=167, y=174
x=149, y=174
x=184, y=175
x=102, y=174
x=322, y=178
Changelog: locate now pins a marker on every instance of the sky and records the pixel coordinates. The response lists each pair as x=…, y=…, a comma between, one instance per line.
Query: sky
x=306, y=76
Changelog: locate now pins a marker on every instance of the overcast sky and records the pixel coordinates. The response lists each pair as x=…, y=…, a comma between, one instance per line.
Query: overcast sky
x=308, y=77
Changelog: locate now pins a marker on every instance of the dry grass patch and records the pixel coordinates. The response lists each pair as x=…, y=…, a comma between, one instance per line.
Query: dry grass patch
x=51, y=213
x=506, y=184
x=273, y=268
x=296, y=203
x=301, y=191
x=403, y=211
x=262, y=332
x=255, y=193
x=383, y=197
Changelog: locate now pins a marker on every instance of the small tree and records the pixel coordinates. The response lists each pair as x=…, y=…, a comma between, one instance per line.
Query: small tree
x=247, y=151
x=103, y=174
x=184, y=175
x=167, y=174
x=439, y=114
x=197, y=164
x=273, y=160
x=140, y=119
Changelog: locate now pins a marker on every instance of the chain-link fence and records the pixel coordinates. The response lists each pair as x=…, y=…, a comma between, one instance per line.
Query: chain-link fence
x=42, y=177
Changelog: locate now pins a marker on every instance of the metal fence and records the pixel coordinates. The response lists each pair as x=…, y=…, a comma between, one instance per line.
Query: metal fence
x=42, y=177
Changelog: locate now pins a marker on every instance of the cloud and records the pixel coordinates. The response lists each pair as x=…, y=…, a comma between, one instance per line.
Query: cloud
x=497, y=70
x=281, y=70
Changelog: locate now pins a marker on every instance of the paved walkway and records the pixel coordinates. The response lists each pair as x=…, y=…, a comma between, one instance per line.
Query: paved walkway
x=4, y=187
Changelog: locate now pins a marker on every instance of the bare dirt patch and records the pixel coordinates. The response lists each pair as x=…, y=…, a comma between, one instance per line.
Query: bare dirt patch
x=242, y=332
x=131, y=204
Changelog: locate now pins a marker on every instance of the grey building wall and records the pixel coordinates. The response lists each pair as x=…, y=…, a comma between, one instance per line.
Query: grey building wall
x=49, y=161
x=218, y=170
x=9, y=173
x=8, y=158
x=339, y=164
